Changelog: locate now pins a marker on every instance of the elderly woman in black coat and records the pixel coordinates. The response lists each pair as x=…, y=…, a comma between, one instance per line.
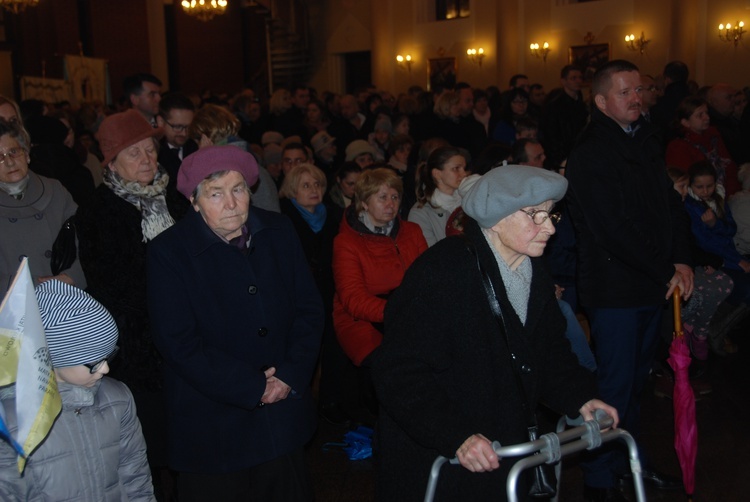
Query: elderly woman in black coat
x=134, y=204
x=444, y=373
x=317, y=223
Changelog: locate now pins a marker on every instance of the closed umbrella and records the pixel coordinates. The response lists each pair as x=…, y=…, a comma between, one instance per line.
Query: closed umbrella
x=685, y=427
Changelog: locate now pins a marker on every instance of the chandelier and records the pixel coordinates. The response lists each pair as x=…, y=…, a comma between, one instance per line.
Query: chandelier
x=203, y=10
x=18, y=6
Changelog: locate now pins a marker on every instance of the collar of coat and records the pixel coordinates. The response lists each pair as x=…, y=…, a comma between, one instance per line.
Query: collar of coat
x=202, y=237
x=541, y=291
x=643, y=129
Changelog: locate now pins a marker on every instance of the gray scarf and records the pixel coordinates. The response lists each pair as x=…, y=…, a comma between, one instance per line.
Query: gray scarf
x=149, y=200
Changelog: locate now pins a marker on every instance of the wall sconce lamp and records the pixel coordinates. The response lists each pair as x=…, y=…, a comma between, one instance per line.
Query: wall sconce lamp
x=404, y=61
x=729, y=33
x=636, y=44
x=540, y=52
x=475, y=55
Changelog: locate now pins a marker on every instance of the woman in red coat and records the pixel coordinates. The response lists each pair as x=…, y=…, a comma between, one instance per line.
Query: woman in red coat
x=700, y=141
x=371, y=253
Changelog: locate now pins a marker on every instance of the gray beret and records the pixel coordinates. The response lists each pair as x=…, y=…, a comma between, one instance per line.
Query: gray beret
x=79, y=329
x=506, y=189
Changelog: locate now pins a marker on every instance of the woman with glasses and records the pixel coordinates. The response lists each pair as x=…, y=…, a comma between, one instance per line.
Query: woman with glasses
x=95, y=449
x=515, y=108
x=447, y=371
x=33, y=210
x=133, y=205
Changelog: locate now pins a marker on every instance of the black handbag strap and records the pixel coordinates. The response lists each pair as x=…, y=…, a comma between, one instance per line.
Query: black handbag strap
x=498, y=314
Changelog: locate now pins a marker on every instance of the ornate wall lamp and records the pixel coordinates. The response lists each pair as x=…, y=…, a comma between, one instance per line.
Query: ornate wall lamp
x=540, y=52
x=404, y=61
x=729, y=33
x=636, y=44
x=475, y=55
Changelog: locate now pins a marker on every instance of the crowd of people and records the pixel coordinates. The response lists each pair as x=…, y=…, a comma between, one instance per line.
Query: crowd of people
x=418, y=257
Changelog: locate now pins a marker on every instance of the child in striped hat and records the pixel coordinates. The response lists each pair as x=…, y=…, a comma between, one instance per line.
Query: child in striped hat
x=95, y=450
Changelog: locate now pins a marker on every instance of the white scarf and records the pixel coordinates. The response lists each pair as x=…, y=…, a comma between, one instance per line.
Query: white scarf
x=149, y=200
x=445, y=201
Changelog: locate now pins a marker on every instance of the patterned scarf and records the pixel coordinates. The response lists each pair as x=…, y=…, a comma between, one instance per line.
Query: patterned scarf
x=149, y=200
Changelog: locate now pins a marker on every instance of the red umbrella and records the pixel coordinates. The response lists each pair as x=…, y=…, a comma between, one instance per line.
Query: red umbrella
x=685, y=427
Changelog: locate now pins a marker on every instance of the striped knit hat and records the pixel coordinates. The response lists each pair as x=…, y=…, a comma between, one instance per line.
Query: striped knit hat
x=79, y=329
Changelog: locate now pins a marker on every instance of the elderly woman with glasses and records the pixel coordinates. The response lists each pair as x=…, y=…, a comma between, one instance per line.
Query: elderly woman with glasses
x=448, y=369
x=238, y=318
x=33, y=210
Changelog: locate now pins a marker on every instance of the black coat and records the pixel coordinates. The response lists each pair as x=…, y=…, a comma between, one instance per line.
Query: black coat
x=59, y=162
x=113, y=257
x=631, y=226
x=218, y=317
x=563, y=119
x=170, y=160
x=443, y=370
x=318, y=247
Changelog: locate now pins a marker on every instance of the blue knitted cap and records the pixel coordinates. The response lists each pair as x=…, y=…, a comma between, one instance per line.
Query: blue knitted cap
x=79, y=329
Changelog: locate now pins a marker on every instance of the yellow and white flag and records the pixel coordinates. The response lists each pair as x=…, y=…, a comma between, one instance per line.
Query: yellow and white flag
x=25, y=361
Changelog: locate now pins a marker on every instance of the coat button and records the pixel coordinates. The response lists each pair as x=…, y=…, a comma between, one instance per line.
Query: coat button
x=526, y=369
x=262, y=331
x=48, y=254
x=38, y=216
x=252, y=289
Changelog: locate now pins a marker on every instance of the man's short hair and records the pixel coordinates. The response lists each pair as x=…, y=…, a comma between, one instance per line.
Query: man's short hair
x=603, y=76
x=567, y=69
x=175, y=101
x=514, y=79
x=461, y=85
x=526, y=124
x=518, y=153
x=133, y=84
x=676, y=71
x=295, y=146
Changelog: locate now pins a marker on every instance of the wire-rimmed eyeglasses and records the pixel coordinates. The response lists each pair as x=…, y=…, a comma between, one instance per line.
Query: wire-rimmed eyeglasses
x=539, y=216
x=13, y=153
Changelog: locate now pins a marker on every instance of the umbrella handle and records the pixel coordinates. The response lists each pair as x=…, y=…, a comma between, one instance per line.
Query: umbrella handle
x=677, y=312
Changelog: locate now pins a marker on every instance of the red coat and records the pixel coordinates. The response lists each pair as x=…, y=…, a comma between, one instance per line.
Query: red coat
x=682, y=153
x=366, y=269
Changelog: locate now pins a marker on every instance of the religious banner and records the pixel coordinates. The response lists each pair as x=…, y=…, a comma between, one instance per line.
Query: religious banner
x=89, y=79
x=49, y=90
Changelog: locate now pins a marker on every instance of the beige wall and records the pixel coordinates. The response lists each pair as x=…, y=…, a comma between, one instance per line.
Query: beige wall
x=678, y=29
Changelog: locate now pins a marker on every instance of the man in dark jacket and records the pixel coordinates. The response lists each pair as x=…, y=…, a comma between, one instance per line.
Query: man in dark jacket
x=176, y=113
x=633, y=250
x=564, y=116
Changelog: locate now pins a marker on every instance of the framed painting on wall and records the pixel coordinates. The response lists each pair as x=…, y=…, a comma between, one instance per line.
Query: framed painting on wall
x=589, y=58
x=441, y=72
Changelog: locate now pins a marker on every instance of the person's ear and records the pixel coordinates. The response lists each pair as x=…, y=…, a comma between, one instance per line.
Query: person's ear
x=601, y=102
x=160, y=121
x=437, y=175
x=194, y=204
